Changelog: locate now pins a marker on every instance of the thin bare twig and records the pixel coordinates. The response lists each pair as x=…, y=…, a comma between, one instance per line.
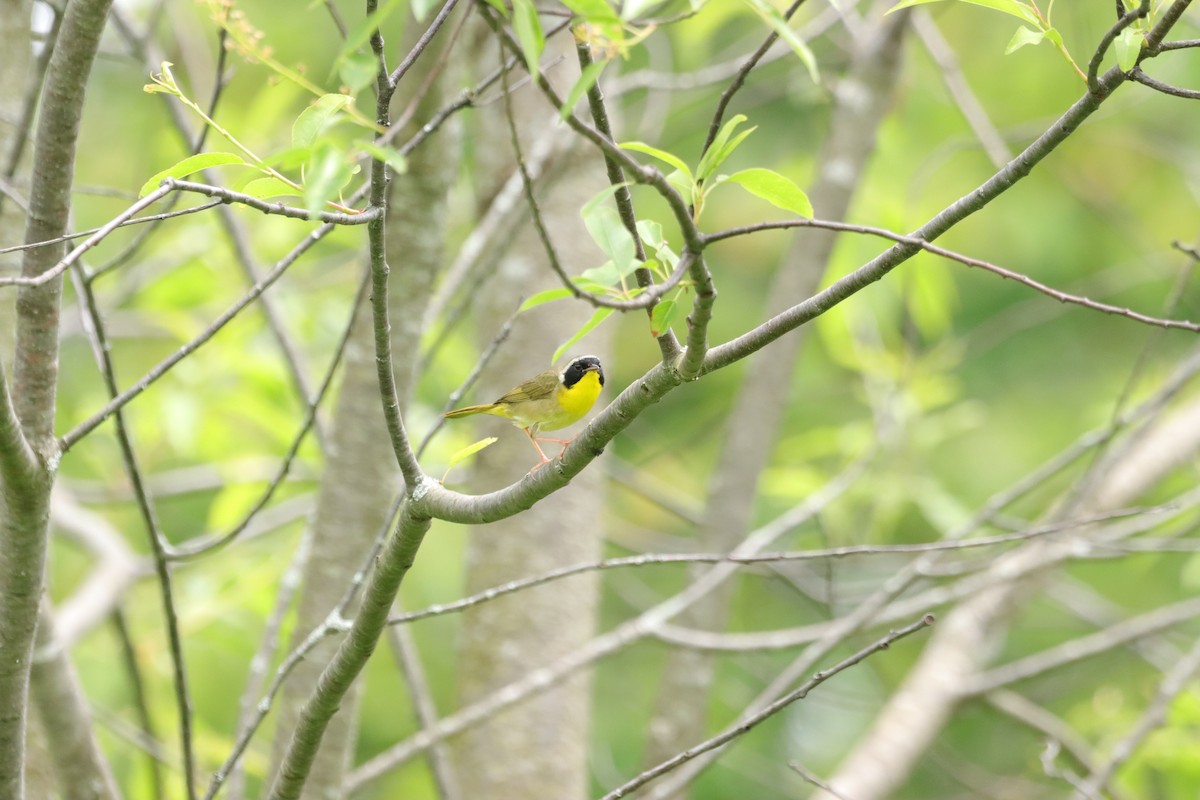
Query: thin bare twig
x=135, y=221
x=1107, y=39
x=783, y=702
x=208, y=544
x=138, y=688
x=97, y=237
x=930, y=247
x=261, y=661
x=1172, y=685
x=652, y=559
x=149, y=516
x=363, y=217
x=422, y=43
x=808, y=777
x=739, y=79
x=1136, y=74
x=91, y=423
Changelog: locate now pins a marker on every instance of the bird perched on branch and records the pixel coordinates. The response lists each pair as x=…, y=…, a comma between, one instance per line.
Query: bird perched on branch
x=546, y=402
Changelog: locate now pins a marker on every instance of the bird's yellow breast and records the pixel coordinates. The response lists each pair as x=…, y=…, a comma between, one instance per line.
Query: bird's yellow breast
x=574, y=401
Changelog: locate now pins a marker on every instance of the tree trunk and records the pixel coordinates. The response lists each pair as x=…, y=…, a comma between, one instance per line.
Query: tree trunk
x=27, y=468
x=538, y=748
x=361, y=477
x=681, y=710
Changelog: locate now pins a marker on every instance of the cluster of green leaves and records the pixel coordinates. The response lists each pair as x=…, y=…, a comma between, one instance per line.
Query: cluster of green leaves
x=609, y=34
x=1037, y=27
x=767, y=184
x=323, y=159
x=611, y=279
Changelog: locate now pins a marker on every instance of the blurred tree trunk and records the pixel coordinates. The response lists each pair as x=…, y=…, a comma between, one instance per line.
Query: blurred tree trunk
x=28, y=451
x=968, y=635
x=537, y=749
x=861, y=101
x=17, y=47
x=361, y=478
x=64, y=721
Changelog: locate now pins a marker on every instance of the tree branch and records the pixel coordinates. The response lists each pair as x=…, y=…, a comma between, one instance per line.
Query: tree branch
x=91, y=423
x=394, y=562
x=744, y=727
x=26, y=500
x=100, y=235
x=1125, y=20
x=849, y=285
x=929, y=247
x=1172, y=685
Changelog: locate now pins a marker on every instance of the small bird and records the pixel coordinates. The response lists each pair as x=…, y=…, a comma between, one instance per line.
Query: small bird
x=546, y=402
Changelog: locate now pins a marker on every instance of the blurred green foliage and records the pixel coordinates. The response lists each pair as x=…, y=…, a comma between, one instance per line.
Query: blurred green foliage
x=987, y=378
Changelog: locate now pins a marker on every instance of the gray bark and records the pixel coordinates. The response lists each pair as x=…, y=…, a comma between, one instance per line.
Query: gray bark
x=967, y=637
x=80, y=770
x=862, y=98
x=361, y=477
x=25, y=502
x=538, y=748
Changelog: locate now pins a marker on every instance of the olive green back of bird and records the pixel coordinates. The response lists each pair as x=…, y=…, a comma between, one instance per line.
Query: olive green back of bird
x=549, y=400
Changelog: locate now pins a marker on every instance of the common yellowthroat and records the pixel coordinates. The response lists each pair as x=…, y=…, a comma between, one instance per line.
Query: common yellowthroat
x=546, y=402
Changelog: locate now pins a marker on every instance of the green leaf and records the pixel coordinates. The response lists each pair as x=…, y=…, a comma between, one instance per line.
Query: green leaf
x=597, y=11
x=634, y=8
x=264, y=188
x=1011, y=7
x=357, y=70
x=1128, y=46
x=651, y=233
x=598, y=316
x=499, y=6
x=775, y=189
x=705, y=168
x=545, y=297
x=190, y=166
x=722, y=147
x=780, y=25
x=931, y=297
x=604, y=276
x=589, y=286
x=683, y=184
x=470, y=450
x=661, y=155
x=606, y=228
x=1022, y=37
x=289, y=158
x=587, y=79
x=421, y=9
x=528, y=28
x=360, y=34
x=660, y=318
x=608, y=191
x=388, y=155
x=316, y=118
x=655, y=267
x=328, y=171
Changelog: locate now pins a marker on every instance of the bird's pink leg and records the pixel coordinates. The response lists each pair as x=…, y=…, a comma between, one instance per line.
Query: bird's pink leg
x=533, y=440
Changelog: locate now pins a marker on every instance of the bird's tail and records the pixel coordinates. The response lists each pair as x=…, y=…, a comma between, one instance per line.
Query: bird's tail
x=466, y=411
